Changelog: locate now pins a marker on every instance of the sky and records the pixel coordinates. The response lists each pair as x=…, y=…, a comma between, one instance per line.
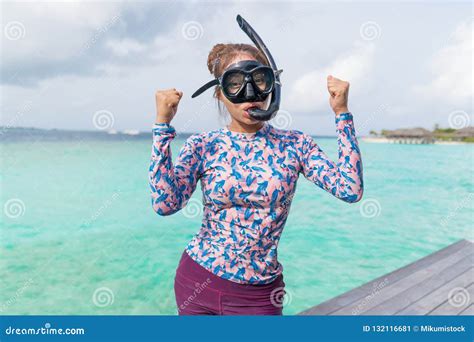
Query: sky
x=97, y=65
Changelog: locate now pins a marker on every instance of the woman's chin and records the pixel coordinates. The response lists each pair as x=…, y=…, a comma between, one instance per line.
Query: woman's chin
x=251, y=121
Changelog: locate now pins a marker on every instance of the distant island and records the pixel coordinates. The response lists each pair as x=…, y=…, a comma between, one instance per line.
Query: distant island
x=15, y=134
x=415, y=135
x=419, y=135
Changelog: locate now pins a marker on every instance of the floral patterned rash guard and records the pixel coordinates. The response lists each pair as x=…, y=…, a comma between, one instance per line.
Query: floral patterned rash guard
x=248, y=181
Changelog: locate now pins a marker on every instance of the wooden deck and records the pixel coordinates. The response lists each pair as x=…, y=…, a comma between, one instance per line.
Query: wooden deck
x=441, y=283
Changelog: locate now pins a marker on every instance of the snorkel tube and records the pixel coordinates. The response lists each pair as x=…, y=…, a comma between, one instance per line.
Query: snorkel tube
x=274, y=106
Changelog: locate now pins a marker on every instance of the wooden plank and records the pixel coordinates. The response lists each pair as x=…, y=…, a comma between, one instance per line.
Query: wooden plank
x=399, y=286
x=468, y=311
x=419, y=290
x=349, y=297
x=437, y=297
x=459, y=302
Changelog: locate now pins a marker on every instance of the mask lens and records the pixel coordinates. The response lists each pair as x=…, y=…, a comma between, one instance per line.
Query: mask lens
x=263, y=79
x=233, y=82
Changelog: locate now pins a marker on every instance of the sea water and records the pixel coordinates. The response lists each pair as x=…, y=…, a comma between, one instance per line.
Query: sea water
x=79, y=236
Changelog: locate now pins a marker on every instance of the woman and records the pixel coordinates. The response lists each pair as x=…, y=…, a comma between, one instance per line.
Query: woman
x=248, y=172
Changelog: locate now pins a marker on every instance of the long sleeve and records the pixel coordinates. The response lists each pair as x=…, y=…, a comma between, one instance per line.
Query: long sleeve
x=343, y=179
x=172, y=185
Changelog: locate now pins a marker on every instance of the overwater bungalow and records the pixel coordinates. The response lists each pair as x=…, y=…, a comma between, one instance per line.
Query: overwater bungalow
x=464, y=133
x=417, y=135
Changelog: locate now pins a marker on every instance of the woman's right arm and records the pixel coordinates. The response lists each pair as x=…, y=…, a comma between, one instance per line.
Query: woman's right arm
x=172, y=185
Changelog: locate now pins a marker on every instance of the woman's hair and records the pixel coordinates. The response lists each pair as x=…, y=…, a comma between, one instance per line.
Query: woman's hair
x=222, y=54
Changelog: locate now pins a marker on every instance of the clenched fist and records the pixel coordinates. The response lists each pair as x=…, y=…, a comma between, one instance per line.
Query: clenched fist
x=339, y=93
x=167, y=102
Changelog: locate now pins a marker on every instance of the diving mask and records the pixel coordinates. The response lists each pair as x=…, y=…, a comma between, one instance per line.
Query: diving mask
x=250, y=80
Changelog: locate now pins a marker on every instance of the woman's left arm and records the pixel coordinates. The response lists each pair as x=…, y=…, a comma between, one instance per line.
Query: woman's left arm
x=343, y=179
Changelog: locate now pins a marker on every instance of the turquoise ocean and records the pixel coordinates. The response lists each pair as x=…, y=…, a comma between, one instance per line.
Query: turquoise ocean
x=78, y=234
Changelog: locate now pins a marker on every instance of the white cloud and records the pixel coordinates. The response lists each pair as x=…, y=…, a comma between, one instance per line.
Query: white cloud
x=125, y=47
x=127, y=59
x=52, y=31
x=451, y=69
x=309, y=92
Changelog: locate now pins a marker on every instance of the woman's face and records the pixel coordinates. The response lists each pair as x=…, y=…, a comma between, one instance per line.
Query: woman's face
x=238, y=111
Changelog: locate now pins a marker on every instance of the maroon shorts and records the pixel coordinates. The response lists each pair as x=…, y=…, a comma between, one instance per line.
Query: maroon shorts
x=201, y=292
